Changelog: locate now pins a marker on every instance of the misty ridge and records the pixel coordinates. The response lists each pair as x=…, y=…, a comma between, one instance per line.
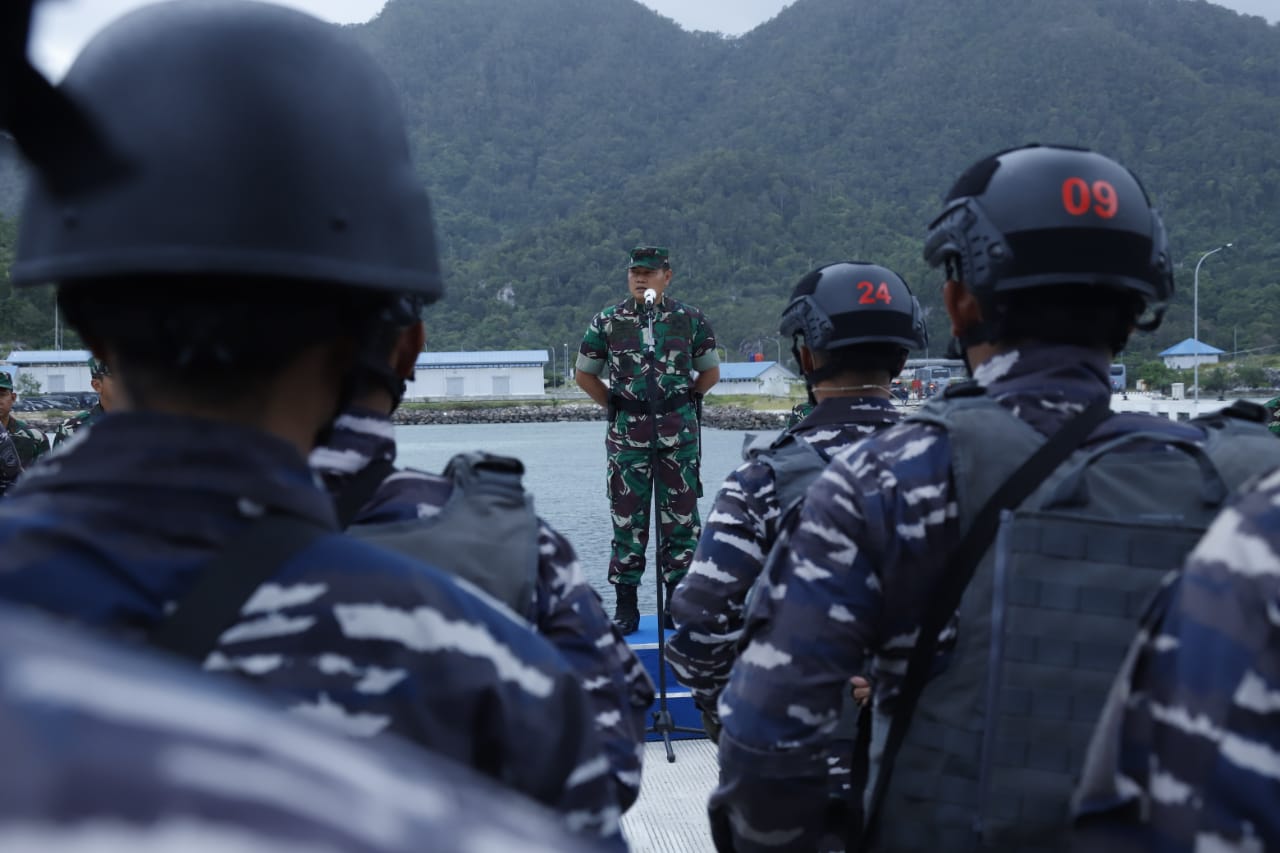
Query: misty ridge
x=555, y=134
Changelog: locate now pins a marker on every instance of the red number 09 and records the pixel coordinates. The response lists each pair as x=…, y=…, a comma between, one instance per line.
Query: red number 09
x=1079, y=198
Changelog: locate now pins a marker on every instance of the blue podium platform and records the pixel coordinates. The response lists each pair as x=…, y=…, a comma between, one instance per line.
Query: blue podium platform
x=679, y=700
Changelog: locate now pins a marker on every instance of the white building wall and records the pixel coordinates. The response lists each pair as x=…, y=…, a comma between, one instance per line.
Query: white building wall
x=475, y=382
x=1186, y=362
x=73, y=378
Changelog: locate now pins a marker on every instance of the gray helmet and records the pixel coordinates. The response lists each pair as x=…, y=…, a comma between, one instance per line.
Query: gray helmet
x=850, y=303
x=261, y=142
x=1042, y=216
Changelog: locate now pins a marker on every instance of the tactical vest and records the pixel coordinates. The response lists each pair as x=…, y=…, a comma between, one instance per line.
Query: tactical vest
x=486, y=533
x=997, y=740
x=795, y=464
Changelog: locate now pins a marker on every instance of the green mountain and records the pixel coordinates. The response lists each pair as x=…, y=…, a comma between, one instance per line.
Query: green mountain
x=555, y=134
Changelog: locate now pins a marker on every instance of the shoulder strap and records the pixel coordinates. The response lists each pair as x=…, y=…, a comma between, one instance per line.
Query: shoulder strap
x=974, y=544
x=360, y=490
x=225, y=583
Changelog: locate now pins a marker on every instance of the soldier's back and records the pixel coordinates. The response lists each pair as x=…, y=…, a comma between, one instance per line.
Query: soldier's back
x=108, y=748
x=363, y=639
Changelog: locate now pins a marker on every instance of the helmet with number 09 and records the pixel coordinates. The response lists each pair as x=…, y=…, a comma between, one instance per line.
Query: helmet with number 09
x=1044, y=216
x=850, y=303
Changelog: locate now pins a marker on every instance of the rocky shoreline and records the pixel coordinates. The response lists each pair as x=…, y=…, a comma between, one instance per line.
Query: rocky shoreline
x=715, y=417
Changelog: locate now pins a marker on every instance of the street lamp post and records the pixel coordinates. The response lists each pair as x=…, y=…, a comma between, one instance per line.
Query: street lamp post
x=568, y=368
x=1195, y=327
x=554, y=375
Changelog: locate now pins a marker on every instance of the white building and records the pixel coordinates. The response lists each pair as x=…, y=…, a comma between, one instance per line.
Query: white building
x=767, y=378
x=1184, y=356
x=472, y=375
x=57, y=371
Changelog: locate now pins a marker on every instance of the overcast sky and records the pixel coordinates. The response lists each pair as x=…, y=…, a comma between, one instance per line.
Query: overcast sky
x=62, y=26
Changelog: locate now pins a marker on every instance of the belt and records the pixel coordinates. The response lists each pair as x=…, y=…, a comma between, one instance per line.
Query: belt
x=641, y=407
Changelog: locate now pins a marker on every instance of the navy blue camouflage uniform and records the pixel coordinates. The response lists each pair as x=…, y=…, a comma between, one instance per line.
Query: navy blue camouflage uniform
x=567, y=611
x=114, y=530
x=109, y=749
x=875, y=534
x=740, y=530
x=1187, y=754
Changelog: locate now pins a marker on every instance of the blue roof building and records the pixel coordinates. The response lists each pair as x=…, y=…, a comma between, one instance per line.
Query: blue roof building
x=1188, y=353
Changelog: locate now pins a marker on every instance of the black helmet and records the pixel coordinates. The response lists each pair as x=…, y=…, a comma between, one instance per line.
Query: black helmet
x=1050, y=216
x=850, y=303
x=261, y=142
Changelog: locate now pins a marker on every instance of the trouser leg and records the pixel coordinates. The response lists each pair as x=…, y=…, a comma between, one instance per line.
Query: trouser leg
x=630, y=494
x=677, y=485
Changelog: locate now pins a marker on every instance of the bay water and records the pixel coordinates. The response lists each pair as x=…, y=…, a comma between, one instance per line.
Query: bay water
x=565, y=472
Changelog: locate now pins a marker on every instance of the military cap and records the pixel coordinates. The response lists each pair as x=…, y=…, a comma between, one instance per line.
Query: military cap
x=649, y=257
x=6, y=380
x=98, y=368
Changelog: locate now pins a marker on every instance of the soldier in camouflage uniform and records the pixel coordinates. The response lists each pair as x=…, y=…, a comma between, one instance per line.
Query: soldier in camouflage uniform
x=563, y=606
x=30, y=442
x=1187, y=753
x=105, y=386
x=236, y=339
x=106, y=748
x=645, y=376
x=848, y=352
x=1041, y=299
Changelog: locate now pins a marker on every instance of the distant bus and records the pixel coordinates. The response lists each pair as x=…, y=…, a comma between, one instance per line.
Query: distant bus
x=934, y=374
x=1118, y=382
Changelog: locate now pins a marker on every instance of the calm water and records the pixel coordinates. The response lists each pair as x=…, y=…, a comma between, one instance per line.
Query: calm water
x=565, y=471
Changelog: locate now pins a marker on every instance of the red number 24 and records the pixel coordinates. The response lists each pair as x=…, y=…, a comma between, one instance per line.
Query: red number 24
x=1079, y=198
x=872, y=294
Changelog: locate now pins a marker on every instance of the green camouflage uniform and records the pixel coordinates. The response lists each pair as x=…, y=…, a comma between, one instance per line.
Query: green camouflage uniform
x=76, y=421
x=1274, y=406
x=616, y=342
x=30, y=442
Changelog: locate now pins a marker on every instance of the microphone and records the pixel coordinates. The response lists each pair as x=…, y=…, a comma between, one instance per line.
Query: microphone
x=649, y=296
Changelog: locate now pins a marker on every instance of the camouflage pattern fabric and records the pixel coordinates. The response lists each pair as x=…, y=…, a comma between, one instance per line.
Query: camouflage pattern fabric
x=1187, y=753
x=740, y=531
x=568, y=611
x=106, y=748
x=631, y=498
x=30, y=442
x=875, y=533
x=10, y=464
x=367, y=641
x=798, y=413
x=616, y=344
x=77, y=421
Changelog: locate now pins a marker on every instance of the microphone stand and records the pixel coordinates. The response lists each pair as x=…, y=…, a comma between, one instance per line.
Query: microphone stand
x=663, y=725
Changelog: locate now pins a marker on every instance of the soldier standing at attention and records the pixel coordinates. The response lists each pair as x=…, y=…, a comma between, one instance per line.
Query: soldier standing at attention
x=662, y=379
x=853, y=325
x=30, y=442
x=189, y=519
x=105, y=385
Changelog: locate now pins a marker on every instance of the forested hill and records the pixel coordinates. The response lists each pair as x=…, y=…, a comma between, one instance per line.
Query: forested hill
x=554, y=134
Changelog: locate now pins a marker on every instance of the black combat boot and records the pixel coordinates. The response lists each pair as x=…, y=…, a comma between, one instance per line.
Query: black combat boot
x=667, y=621
x=627, y=615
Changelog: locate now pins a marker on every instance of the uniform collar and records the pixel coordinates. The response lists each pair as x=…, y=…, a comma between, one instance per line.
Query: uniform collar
x=1075, y=373
x=174, y=454
x=834, y=411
